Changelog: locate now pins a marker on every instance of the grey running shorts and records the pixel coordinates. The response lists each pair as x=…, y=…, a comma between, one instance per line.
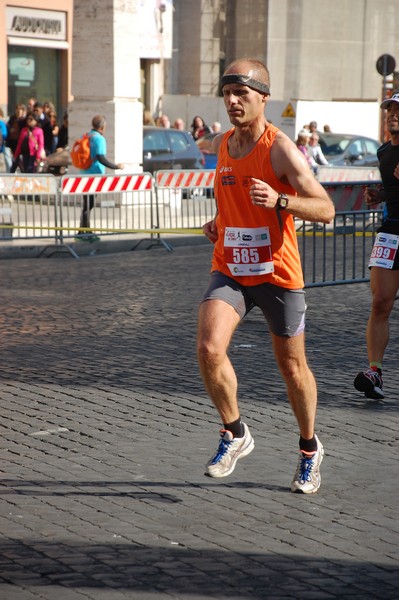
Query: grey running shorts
x=283, y=309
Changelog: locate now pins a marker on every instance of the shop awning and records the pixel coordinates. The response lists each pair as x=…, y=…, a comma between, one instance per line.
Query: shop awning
x=37, y=43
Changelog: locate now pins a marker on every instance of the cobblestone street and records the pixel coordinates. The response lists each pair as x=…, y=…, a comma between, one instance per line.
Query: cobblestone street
x=106, y=428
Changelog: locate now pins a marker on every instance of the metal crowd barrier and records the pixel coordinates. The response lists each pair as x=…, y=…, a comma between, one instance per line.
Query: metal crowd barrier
x=120, y=203
x=185, y=199
x=177, y=202
x=28, y=206
x=338, y=253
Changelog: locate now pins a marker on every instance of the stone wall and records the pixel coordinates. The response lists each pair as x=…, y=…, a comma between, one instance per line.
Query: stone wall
x=314, y=50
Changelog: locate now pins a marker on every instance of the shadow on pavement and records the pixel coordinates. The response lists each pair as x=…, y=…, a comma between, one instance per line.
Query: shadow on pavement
x=202, y=572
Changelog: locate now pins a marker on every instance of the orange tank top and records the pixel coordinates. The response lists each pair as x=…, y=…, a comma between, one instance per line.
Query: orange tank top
x=254, y=245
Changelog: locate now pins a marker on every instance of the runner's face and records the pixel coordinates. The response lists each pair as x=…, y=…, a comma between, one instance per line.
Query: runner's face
x=243, y=104
x=393, y=117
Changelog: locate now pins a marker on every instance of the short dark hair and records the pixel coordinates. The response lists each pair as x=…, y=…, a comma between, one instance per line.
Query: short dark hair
x=258, y=69
x=98, y=122
x=31, y=114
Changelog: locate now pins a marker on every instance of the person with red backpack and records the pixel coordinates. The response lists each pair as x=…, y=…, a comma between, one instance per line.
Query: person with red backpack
x=96, y=164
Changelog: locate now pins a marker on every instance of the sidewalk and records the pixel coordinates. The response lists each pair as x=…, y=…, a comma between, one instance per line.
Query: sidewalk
x=106, y=428
x=108, y=244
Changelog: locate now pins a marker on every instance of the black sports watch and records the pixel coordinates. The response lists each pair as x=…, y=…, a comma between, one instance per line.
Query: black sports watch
x=282, y=201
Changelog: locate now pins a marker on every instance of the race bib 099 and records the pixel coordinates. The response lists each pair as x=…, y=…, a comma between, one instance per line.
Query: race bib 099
x=384, y=250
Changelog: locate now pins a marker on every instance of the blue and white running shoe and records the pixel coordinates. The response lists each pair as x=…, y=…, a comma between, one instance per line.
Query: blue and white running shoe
x=229, y=451
x=307, y=478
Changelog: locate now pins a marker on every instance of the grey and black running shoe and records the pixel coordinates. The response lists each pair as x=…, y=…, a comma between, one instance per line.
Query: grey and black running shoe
x=369, y=382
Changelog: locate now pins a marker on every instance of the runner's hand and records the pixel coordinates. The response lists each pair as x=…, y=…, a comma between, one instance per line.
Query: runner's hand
x=373, y=197
x=211, y=231
x=262, y=194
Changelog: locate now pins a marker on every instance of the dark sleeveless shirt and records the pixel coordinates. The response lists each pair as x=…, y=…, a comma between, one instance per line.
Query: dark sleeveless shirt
x=388, y=156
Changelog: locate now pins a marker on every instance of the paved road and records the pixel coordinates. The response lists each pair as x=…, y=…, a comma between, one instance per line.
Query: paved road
x=106, y=428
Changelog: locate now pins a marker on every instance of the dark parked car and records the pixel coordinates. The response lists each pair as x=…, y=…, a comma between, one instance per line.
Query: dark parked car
x=169, y=149
x=344, y=149
x=174, y=149
x=162, y=149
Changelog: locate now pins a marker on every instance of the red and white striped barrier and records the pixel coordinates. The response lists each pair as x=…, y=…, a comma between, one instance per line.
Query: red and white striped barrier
x=347, y=197
x=103, y=184
x=184, y=179
x=341, y=174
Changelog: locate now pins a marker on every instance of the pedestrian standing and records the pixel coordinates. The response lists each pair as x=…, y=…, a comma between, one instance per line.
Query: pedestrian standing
x=98, y=151
x=3, y=137
x=315, y=150
x=30, y=146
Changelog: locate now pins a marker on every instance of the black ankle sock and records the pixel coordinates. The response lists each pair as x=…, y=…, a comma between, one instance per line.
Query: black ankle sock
x=308, y=445
x=236, y=428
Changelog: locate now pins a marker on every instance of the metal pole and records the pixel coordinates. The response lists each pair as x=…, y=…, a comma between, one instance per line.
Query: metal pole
x=384, y=93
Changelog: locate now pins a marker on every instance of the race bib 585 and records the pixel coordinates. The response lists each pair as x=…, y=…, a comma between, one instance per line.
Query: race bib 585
x=248, y=251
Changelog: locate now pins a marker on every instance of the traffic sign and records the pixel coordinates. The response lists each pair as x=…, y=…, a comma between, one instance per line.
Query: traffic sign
x=386, y=64
x=288, y=112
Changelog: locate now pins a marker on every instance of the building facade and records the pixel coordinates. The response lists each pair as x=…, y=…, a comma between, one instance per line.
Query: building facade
x=36, y=52
x=320, y=51
x=142, y=50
